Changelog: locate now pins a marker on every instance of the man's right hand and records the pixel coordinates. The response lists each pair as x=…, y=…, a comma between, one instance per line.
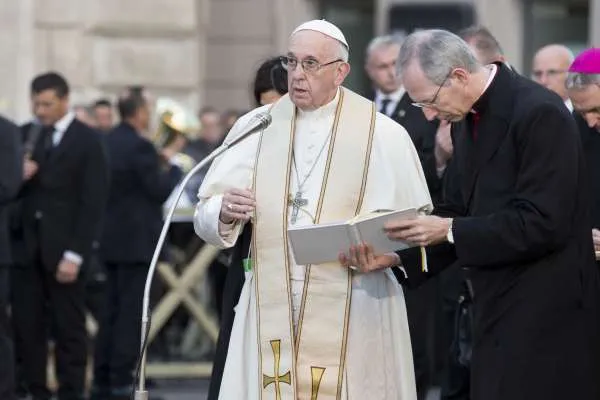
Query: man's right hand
x=596, y=238
x=30, y=168
x=237, y=204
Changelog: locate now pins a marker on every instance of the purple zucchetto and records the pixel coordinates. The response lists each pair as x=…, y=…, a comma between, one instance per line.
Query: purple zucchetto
x=588, y=62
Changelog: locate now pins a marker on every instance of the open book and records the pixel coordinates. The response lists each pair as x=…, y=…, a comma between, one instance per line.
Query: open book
x=316, y=244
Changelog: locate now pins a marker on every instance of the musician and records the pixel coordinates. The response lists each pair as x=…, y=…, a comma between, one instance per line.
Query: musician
x=141, y=183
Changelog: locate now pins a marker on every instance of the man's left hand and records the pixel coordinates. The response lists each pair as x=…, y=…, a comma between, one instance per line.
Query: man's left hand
x=67, y=271
x=363, y=258
x=424, y=230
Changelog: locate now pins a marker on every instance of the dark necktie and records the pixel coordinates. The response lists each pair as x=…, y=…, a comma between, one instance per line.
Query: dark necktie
x=47, y=133
x=384, y=105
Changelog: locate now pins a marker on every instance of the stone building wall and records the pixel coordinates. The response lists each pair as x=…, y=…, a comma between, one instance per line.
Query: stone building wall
x=101, y=46
x=200, y=52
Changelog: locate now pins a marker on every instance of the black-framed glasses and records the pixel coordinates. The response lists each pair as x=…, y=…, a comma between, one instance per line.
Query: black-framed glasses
x=431, y=103
x=309, y=65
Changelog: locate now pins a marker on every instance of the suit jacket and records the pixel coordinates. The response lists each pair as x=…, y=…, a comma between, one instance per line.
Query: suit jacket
x=11, y=175
x=522, y=230
x=62, y=206
x=422, y=133
x=139, y=188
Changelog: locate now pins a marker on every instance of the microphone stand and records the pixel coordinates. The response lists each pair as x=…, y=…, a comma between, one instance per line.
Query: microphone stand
x=141, y=393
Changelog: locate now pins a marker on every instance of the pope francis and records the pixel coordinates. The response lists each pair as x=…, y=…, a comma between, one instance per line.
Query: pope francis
x=314, y=331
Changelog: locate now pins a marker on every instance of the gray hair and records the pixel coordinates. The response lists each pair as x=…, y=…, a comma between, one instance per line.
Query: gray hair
x=438, y=53
x=384, y=41
x=343, y=52
x=578, y=81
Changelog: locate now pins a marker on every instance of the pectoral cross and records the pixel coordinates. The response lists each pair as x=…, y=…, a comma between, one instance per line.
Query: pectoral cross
x=277, y=379
x=297, y=202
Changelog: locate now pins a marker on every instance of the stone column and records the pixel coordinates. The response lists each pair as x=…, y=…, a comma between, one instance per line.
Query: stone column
x=505, y=20
x=16, y=58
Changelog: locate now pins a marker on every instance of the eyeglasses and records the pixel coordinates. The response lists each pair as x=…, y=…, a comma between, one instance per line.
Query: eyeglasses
x=431, y=103
x=309, y=65
x=537, y=74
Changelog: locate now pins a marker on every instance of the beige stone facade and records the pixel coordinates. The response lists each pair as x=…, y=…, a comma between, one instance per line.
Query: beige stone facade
x=200, y=52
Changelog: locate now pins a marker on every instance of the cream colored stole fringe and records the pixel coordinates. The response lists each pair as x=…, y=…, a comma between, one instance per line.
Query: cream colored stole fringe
x=311, y=365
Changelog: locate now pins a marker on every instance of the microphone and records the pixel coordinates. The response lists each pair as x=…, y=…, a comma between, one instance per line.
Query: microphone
x=258, y=123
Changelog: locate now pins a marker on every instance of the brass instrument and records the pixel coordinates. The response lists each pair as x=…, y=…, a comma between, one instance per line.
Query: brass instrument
x=173, y=121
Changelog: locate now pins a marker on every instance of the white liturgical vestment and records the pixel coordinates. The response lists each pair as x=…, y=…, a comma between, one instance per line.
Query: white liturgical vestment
x=376, y=360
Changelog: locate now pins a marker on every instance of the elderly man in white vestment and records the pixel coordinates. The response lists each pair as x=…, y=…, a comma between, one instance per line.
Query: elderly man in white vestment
x=321, y=331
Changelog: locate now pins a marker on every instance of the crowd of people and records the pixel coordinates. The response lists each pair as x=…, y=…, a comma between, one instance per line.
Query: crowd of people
x=497, y=298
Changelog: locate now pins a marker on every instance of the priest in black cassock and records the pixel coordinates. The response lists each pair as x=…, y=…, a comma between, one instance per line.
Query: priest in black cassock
x=520, y=224
x=583, y=86
x=434, y=146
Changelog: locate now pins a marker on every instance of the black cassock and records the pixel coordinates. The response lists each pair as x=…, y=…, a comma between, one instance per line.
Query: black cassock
x=591, y=147
x=523, y=232
x=231, y=295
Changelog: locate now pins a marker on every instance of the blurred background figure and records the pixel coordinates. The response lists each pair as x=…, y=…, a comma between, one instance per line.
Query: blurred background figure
x=486, y=48
x=84, y=114
x=229, y=117
x=62, y=209
x=11, y=177
x=550, y=66
x=142, y=180
x=104, y=115
x=270, y=82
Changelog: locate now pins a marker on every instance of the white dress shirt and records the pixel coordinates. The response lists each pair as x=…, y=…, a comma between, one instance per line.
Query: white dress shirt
x=394, y=98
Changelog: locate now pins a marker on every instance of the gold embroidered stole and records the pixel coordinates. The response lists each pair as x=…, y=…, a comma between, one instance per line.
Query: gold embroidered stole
x=310, y=365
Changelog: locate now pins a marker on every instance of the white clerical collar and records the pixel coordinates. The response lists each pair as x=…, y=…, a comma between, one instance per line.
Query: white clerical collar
x=323, y=111
x=489, y=81
x=491, y=77
x=394, y=97
x=569, y=104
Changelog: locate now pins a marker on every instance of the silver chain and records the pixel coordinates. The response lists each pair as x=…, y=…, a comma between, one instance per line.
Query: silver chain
x=310, y=171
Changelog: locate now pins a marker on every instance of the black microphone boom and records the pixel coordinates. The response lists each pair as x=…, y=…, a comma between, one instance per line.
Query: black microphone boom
x=259, y=123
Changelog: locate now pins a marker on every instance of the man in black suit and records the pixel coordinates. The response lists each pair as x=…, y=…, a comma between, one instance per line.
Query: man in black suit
x=434, y=146
x=485, y=46
x=62, y=205
x=142, y=180
x=11, y=176
x=520, y=224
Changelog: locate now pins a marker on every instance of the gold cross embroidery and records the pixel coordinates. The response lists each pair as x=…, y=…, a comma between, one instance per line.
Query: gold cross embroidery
x=316, y=374
x=276, y=378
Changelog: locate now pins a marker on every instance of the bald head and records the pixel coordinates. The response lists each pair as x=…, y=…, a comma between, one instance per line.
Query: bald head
x=550, y=65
